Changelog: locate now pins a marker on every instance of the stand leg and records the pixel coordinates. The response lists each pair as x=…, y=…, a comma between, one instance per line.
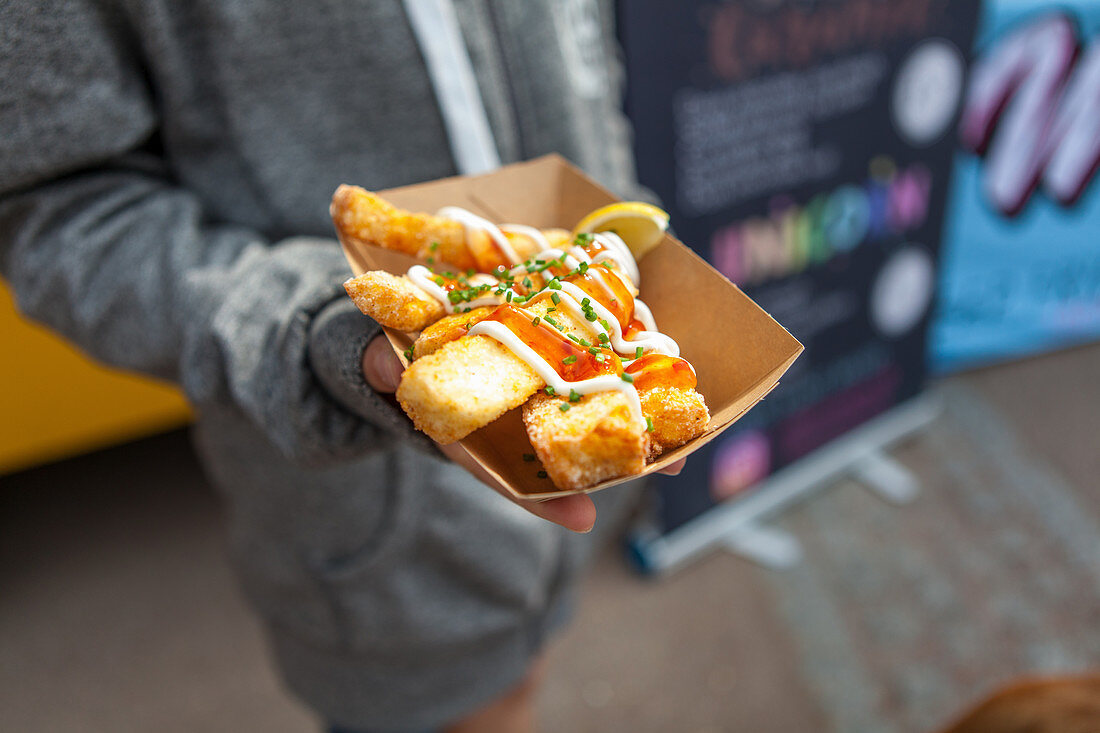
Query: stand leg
x=773, y=548
x=887, y=478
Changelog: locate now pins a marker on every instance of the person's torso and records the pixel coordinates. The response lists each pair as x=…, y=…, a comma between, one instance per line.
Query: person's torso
x=266, y=107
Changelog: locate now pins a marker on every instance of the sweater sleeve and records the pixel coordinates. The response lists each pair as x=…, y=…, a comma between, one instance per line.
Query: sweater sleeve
x=99, y=242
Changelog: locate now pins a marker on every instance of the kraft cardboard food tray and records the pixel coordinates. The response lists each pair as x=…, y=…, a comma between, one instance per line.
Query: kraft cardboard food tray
x=739, y=352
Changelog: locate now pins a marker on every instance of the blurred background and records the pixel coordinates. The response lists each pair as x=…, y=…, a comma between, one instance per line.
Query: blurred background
x=912, y=518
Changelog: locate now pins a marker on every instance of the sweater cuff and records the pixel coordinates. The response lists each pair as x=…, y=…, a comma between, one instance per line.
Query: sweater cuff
x=338, y=336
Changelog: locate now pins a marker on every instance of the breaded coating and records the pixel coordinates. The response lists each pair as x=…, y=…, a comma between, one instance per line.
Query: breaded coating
x=366, y=218
x=526, y=248
x=594, y=440
x=447, y=329
x=393, y=300
x=463, y=386
x=558, y=238
x=467, y=383
x=429, y=394
x=678, y=415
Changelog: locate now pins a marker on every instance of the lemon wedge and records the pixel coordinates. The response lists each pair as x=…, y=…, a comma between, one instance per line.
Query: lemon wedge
x=640, y=225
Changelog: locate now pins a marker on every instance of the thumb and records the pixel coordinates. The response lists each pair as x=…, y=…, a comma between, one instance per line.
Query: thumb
x=381, y=367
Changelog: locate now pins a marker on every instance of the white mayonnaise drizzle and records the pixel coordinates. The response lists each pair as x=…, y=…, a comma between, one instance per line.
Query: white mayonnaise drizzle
x=539, y=238
x=424, y=279
x=644, y=314
x=602, y=383
x=619, y=253
x=650, y=341
x=571, y=298
x=470, y=220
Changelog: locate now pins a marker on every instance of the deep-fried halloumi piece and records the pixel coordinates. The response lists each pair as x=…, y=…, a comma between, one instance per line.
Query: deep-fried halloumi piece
x=365, y=217
x=446, y=329
x=595, y=439
x=394, y=301
x=677, y=414
x=463, y=386
x=467, y=383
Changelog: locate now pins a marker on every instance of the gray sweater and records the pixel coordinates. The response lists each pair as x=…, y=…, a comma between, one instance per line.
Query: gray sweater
x=165, y=172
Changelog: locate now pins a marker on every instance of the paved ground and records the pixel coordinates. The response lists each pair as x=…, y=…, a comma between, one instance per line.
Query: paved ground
x=119, y=612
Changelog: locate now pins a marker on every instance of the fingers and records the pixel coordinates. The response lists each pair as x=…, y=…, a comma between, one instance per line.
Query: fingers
x=382, y=370
x=381, y=367
x=674, y=468
x=576, y=513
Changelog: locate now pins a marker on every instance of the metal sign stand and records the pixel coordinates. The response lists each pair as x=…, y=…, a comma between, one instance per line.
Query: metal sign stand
x=737, y=525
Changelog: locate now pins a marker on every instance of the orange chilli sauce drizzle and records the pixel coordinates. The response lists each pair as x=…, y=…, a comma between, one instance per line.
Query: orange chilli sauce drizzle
x=633, y=329
x=593, y=291
x=447, y=283
x=572, y=362
x=609, y=291
x=659, y=370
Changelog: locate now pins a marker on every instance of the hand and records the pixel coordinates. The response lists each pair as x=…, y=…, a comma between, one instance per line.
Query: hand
x=382, y=370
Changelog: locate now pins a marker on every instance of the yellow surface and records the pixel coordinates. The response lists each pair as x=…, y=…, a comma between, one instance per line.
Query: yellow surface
x=56, y=403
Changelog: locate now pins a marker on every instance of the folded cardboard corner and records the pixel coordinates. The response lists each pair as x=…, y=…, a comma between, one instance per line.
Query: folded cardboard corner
x=739, y=352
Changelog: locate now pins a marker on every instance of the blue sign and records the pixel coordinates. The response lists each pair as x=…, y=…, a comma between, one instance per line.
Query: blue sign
x=1020, y=266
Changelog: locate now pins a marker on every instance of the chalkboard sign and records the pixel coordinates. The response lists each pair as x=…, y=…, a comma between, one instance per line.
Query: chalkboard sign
x=803, y=148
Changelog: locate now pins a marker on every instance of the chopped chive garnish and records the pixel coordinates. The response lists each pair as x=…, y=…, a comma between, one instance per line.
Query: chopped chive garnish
x=574, y=396
x=585, y=342
x=571, y=359
x=508, y=296
x=593, y=350
x=438, y=280
x=573, y=338
x=603, y=338
x=550, y=391
x=638, y=353
x=431, y=260
x=564, y=407
x=551, y=321
x=535, y=321
x=555, y=297
x=586, y=302
x=648, y=424
x=605, y=325
x=551, y=310
x=583, y=268
x=471, y=272
x=434, y=246
x=526, y=282
x=589, y=316
x=409, y=354
x=528, y=457
x=628, y=378
x=542, y=474
x=554, y=284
